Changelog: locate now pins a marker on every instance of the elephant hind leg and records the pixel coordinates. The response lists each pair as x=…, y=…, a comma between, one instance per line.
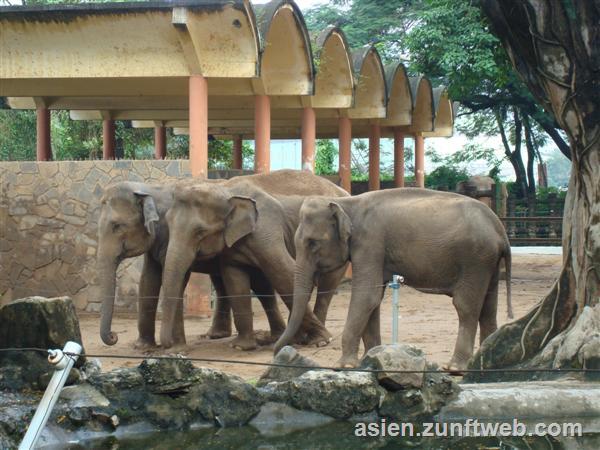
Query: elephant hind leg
x=487, y=318
x=221, y=321
x=266, y=295
x=468, y=301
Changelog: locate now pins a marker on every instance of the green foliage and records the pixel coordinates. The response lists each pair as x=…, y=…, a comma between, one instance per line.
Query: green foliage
x=220, y=154
x=325, y=156
x=17, y=135
x=446, y=177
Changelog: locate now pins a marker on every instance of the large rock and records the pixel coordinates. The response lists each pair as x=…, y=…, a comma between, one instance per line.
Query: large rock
x=168, y=376
x=336, y=394
x=225, y=400
x=414, y=404
x=46, y=323
x=290, y=357
x=396, y=357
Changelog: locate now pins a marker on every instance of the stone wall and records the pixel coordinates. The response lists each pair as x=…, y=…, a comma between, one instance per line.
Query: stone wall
x=48, y=226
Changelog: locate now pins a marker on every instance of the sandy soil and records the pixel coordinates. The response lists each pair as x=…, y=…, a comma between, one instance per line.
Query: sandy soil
x=427, y=321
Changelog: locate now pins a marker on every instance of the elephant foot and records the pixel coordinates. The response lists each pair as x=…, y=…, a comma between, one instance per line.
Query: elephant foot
x=455, y=368
x=317, y=338
x=217, y=333
x=264, y=337
x=348, y=362
x=144, y=344
x=244, y=343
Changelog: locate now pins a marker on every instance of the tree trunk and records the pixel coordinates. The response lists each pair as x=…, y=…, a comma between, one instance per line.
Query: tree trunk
x=554, y=45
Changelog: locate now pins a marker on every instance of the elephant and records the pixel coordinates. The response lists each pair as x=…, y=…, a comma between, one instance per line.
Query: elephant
x=132, y=223
x=244, y=226
x=440, y=242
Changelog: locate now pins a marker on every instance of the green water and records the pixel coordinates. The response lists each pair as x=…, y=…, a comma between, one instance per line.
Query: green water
x=333, y=436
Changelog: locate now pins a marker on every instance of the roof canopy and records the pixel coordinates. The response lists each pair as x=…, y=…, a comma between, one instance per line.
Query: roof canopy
x=132, y=61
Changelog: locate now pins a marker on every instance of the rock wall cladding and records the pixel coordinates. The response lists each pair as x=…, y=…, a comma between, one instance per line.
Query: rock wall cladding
x=48, y=226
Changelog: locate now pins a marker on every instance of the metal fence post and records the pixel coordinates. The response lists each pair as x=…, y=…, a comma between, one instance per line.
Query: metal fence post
x=63, y=364
x=397, y=280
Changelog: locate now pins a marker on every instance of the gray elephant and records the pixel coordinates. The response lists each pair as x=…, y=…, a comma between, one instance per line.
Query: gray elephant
x=243, y=226
x=132, y=223
x=440, y=242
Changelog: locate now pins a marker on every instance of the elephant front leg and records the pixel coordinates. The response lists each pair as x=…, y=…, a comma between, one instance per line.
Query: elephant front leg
x=364, y=302
x=237, y=283
x=326, y=286
x=221, y=322
x=149, y=290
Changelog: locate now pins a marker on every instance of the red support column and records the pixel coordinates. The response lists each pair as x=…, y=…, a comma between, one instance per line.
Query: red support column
x=108, y=139
x=262, y=134
x=420, y=161
x=398, y=158
x=308, y=139
x=43, y=144
x=198, y=96
x=237, y=153
x=374, y=136
x=345, y=145
x=160, y=142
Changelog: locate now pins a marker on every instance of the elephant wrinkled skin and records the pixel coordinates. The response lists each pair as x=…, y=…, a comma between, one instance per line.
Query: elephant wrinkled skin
x=244, y=226
x=440, y=242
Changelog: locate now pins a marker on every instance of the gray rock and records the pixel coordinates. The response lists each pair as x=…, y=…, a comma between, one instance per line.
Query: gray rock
x=167, y=376
x=418, y=404
x=336, y=394
x=226, y=400
x=83, y=396
x=118, y=380
x=396, y=357
x=46, y=323
x=288, y=356
x=276, y=419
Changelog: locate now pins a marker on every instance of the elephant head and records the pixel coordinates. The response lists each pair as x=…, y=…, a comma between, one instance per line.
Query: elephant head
x=322, y=243
x=126, y=228
x=204, y=220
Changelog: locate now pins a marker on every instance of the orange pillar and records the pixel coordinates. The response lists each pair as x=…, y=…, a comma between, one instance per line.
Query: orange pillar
x=108, y=139
x=398, y=158
x=262, y=134
x=43, y=144
x=237, y=153
x=374, y=136
x=198, y=99
x=309, y=132
x=345, y=145
x=420, y=161
x=160, y=142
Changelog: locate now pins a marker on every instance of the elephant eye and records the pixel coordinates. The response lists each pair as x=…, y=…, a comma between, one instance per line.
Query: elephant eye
x=313, y=244
x=117, y=226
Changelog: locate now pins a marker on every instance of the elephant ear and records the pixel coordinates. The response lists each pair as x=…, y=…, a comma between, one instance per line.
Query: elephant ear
x=149, y=212
x=241, y=220
x=344, y=226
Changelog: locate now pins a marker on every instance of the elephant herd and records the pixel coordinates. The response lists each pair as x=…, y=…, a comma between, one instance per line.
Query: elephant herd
x=287, y=232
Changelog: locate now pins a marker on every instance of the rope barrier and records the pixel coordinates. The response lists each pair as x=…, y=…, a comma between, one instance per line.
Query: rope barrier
x=336, y=369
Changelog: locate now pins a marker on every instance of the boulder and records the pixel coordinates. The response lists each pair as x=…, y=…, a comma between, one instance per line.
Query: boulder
x=287, y=356
x=396, y=357
x=46, y=323
x=414, y=404
x=336, y=394
x=168, y=376
x=225, y=400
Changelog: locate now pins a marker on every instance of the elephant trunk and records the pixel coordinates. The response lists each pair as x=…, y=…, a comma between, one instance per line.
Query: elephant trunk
x=303, y=287
x=107, y=274
x=177, y=264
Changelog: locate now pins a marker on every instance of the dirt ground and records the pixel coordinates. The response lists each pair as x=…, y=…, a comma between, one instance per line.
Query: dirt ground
x=427, y=321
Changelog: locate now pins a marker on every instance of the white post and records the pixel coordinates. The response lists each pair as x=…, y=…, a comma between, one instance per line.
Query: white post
x=63, y=364
x=397, y=280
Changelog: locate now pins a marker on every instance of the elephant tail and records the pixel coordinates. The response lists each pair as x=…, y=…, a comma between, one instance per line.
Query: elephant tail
x=507, y=268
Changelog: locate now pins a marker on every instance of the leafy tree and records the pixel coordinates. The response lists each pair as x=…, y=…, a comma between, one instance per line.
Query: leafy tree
x=545, y=43
x=325, y=157
x=17, y=135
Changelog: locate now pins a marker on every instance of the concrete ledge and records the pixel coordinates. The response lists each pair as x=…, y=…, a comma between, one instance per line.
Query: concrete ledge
x=539, y=400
